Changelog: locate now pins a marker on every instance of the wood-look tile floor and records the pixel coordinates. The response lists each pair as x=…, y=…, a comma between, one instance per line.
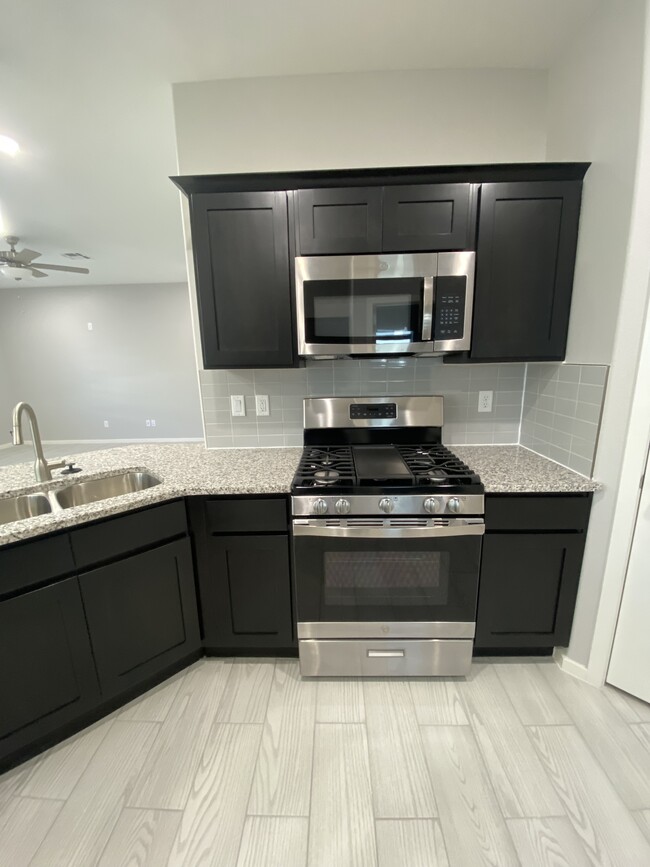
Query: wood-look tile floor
x=240, y=763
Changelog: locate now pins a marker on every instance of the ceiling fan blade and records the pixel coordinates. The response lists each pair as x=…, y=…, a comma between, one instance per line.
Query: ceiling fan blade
x=36, y=273
x=26, y=256
x=63, y=268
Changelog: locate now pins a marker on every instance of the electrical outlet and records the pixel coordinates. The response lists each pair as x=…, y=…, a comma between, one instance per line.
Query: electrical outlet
x=237, y=405
x=153, y=422
x=105, y=422
x=262, y=404
x=90, y=326
x=485, y=401
x=147, y=421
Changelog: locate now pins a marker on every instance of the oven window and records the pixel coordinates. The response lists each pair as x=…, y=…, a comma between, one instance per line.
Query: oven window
x=363, y=311
x=386, y=578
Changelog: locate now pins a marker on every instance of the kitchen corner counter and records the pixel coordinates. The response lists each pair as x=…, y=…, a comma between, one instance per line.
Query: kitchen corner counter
x=517, y=470
x=189, y=469
x=185, y=469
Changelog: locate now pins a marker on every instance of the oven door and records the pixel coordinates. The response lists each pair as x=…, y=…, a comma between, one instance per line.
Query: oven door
x=392, y=578
x=365, y=304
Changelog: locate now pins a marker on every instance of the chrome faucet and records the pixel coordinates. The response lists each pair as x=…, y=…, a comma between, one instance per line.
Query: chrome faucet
x=41, y=466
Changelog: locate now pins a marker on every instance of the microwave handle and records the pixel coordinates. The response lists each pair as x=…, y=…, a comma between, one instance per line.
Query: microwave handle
x=427, y=309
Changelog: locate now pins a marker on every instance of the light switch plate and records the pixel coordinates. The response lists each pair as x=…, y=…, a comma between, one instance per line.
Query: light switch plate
x=237, y=405
x=262, y=404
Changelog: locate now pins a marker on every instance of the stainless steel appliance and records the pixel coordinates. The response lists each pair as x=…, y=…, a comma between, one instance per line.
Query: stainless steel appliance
x=387, y=530
x=410, y=303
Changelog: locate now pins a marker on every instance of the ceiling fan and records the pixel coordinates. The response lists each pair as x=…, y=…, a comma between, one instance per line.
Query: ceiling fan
x=18, y=263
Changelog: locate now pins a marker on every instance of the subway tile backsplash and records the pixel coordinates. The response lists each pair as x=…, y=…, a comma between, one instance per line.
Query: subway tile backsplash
x=459, y=384
x=562, y=405
x=553, y=409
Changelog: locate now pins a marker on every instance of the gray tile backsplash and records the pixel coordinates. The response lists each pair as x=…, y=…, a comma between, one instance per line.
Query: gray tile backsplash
x=459, y=384
x=553, y=409
x=562, y=405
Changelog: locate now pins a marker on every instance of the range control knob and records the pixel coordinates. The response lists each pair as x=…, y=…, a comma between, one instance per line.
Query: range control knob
x=342, y=506
x=320, y=507
x=386, y=505
x=454, y=505
x=431, y=505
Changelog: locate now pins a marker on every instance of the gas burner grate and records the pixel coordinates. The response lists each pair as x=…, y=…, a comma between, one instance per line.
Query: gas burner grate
x=321, y=467
x=435, y=464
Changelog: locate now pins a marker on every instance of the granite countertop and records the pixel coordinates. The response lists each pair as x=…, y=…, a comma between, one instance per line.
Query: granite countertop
x=187, y=469
x=517, y=470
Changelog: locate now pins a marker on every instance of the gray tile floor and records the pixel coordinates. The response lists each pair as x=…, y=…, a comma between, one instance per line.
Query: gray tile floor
x=240, y=762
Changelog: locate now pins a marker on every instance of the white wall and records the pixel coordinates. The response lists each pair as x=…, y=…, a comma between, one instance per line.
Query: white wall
x=594, y=94
x=136, y=363
x=360, y=120
x=595, y=105
x=5, y=399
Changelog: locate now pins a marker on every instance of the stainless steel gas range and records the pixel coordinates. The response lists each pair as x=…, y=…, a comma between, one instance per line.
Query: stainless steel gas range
x=387, y=531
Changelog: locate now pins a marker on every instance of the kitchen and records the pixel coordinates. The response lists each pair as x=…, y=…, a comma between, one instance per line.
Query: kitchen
x=515, y=116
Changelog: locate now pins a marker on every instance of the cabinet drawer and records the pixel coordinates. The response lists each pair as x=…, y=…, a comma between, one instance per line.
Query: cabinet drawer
x=227, y=516
x=548, y=512
x=34, y=562
x=119, y=536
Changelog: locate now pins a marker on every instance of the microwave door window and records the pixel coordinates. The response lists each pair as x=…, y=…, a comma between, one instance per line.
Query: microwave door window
x=363, y=311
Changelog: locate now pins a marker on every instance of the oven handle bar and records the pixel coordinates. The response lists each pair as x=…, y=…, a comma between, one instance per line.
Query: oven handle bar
x=434, y=532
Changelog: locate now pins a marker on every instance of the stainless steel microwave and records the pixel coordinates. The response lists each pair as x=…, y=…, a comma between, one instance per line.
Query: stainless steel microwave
x=393, y=304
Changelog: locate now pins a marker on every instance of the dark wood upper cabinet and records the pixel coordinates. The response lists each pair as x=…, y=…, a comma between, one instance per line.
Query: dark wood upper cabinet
x=241, y=258
x=47, y=676
x=428, y=217
x=527, y=237
x=345, y=220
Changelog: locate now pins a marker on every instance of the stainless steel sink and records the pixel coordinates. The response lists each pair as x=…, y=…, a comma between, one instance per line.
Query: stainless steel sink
x=23, y=506
x=82, y=493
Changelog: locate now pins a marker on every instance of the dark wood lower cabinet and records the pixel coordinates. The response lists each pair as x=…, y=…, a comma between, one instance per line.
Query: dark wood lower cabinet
x=530, y=570
x=142, y=614
x=246, y=593
x=47, y=675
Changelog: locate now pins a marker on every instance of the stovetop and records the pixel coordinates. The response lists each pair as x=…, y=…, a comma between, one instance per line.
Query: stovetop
x=360, y=469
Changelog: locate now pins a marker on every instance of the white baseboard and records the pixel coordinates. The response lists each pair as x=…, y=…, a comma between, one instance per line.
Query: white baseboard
x=575, y=669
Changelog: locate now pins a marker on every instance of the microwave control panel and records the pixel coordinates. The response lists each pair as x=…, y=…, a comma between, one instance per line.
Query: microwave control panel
x=450, y=308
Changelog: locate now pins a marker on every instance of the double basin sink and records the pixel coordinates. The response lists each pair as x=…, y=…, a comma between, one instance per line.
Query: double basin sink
x=77, y=494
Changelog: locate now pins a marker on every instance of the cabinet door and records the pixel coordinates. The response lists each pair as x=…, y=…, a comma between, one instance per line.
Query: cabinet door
x=527, y=236
x=427, y=217
x=142, y=614
x=47, y=675
x=241, y=259
x=528, y=588
x=345, y=220
x=246, y=593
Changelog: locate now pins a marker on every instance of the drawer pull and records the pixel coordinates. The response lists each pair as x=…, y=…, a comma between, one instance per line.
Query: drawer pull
x=384, y=654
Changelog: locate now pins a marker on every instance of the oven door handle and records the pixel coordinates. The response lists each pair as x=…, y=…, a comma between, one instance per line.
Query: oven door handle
x=435, y=532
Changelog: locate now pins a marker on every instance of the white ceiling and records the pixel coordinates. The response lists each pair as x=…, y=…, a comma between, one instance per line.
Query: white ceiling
x=86, y=92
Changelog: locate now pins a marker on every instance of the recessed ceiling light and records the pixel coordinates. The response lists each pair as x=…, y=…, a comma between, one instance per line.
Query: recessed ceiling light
x=9, y=146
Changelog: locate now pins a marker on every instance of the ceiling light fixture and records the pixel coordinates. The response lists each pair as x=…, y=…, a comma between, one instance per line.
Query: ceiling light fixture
x=9, y=146
x=13, y=272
